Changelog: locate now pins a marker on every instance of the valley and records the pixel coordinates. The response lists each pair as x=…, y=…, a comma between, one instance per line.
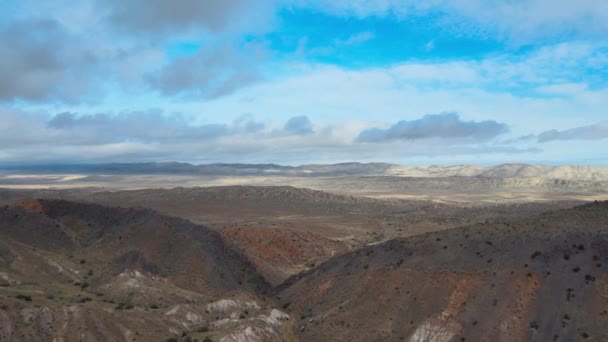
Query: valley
x=284, y=263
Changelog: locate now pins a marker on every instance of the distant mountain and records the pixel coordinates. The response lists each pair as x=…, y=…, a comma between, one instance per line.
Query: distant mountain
x=546, y=172
x=563, y=172
x=210, y=169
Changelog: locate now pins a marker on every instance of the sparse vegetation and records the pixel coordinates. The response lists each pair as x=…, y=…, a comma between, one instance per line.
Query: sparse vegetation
x=26, y=298
x=485, y=284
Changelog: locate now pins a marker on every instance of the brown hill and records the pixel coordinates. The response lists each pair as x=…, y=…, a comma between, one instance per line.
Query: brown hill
x=539, y=279
x=190, y=256
x=73, y=271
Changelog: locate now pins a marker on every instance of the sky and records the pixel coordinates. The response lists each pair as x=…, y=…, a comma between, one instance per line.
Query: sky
x=301, y=81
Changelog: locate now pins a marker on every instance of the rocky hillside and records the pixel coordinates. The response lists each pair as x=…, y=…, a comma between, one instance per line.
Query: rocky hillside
x=538, y=279
x=72, y=271
x=83, y=271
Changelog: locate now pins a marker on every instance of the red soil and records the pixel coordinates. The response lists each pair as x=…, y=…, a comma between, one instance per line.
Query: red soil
x=32, y=205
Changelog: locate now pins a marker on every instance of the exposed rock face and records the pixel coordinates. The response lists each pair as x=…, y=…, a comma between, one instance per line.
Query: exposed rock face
x=98, y=322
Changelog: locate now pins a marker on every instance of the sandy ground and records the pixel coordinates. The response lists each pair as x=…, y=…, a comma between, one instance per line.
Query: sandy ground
x=377, y=187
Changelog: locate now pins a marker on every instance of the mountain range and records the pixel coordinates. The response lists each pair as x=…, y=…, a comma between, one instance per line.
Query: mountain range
x=561, y=172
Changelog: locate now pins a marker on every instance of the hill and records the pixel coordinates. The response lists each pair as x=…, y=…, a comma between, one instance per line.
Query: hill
x=72, y=271
x=537, y=279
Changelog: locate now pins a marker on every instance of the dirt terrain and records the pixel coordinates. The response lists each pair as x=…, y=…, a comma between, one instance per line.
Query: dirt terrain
x=537, y=279
x=355, y=220
x=278, y=253
x=72, y=271
x=279, y=263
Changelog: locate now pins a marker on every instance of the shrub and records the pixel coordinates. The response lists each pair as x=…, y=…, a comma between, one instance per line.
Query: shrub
x=207, y=339
x=24, y=297
x=203, y=329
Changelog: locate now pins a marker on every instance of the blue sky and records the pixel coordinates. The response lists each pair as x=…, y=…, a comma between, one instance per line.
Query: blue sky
x=302, y=81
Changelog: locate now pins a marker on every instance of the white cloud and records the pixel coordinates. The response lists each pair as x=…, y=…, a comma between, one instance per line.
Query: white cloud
x=596, y=131
x=495, y=88
x=443, y=126
x=144, y=136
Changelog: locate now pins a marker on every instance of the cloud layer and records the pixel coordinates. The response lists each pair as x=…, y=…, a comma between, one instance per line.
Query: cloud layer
x=154, y=135
x=299, y=125
x=164, y=17
x=591, y=132
x=145, y=127
x=40, y=61
x=445, y=125
x=362, y=72
x=207, y=73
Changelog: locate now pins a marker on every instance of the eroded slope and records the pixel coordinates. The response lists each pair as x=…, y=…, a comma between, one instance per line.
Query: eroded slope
x=539, y=279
